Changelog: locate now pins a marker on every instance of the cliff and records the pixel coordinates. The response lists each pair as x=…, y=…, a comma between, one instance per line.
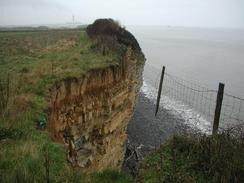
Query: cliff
x=76, y=88
x=90, y=114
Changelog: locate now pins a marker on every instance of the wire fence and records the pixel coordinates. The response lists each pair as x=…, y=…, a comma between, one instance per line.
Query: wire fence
x=232, y=110
x=199, y=98
x=194, y=102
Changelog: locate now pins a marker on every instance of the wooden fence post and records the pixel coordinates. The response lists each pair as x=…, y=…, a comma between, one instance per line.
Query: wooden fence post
x=218, y=108
x=160, y=90
x=8, y=90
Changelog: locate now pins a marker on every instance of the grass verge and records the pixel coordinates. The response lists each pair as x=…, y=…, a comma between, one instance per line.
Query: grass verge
x=196, y=159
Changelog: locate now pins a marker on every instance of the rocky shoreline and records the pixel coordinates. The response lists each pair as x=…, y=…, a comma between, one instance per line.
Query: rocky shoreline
x=146, y=132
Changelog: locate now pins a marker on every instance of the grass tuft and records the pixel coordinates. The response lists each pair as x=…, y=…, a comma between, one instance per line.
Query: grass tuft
x=110, y=176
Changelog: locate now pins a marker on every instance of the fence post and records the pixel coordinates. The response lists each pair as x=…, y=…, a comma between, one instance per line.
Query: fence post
x=218, y=108
x=160, y=90
x=8, y=89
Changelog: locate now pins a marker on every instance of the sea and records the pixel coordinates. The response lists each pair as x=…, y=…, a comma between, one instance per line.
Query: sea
x=206, y=56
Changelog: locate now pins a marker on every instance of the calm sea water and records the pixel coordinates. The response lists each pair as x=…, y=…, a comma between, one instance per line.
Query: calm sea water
x=208, y=56
x=204, y=56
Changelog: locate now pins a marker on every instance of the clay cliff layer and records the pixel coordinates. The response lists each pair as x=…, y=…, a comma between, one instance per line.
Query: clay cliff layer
x=90, y=114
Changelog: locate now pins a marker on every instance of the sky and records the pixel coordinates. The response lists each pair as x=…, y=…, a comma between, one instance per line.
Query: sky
x=187, y=13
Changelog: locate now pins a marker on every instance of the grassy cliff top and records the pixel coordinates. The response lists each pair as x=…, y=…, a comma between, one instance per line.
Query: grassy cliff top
x=36, y=59
x=30, y=62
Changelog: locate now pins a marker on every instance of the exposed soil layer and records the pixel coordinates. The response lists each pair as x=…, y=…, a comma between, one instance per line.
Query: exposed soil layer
x=90, y=114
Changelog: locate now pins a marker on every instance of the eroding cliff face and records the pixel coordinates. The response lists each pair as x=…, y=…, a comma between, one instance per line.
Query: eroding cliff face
x=90, y=114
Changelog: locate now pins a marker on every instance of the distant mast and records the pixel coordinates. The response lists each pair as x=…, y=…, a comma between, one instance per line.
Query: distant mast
x=73, y=19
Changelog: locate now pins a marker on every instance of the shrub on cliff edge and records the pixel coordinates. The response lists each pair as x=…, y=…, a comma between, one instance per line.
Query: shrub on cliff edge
x=109, y=34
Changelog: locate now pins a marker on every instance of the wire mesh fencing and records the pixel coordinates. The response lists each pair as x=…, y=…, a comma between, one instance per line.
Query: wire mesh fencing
x=200, y=98
x=195, y=103
x=232, y=112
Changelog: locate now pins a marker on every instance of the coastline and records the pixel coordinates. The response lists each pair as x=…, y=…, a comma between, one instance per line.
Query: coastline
x=146, y=132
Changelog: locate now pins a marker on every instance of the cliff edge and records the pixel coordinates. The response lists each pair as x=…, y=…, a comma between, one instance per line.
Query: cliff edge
x=89, y=114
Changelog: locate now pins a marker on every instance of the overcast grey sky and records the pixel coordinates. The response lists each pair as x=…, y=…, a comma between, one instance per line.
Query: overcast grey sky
x=196, y=13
